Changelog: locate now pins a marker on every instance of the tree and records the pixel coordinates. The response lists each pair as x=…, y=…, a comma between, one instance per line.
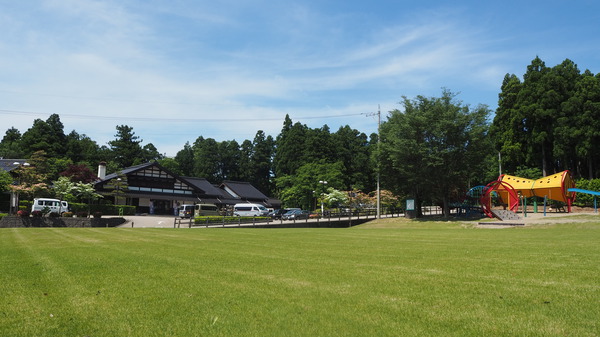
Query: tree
x=79, y=173
x=507, y=131
x=126, y=149
x=47, y=136
x=290, y=145
x=86, y=192
x=81, y=149
x=433, y=146
x=303, y=188
x=10, y=146
x=6, y=180
x=62, y=187
x=185, y=159
x=578, y=127
x=261, y=162
x=206, y=159
x=150, y=153
x=30, y=182
x=229, y=157
x=335, y=198
x=353, y=148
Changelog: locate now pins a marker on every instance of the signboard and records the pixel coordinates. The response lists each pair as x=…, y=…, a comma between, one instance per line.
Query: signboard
x=410, y=204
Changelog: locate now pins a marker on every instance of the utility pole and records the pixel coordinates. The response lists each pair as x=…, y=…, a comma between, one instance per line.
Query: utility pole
x=378, y=149
x=378, y=113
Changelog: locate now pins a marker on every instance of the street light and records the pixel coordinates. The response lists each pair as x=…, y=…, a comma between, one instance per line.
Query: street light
x=322, y=182
x=14, y=195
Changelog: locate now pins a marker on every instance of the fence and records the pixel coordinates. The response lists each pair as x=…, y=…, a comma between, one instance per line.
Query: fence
x=329, y=219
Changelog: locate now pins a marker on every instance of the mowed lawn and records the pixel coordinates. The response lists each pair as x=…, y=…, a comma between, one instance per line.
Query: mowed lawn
x=400, y=279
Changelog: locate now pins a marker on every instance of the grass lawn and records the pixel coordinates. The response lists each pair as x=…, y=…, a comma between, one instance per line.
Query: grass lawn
x=393, y=278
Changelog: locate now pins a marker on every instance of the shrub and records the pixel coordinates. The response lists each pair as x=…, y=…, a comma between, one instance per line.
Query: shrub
x=37, y=214
x=97, y=214
x=54, y=215
x=67, y=214
x=82, y=214
x=23, y=213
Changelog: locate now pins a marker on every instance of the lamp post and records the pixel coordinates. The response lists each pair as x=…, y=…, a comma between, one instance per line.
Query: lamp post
x=322, y=182
x=14, y=195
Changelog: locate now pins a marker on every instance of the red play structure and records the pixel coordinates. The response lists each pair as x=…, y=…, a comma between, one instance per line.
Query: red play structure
x=510, y=190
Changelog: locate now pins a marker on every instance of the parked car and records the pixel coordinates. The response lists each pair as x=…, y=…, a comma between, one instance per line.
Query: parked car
x=51, y=205
x=248, y=209
x=295, y=214
x=186, y=211
x=276, y=214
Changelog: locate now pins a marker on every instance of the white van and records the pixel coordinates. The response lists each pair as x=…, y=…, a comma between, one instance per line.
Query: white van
x=54, y=205
x=206, y=209
x=186, y=210
x=250, y=210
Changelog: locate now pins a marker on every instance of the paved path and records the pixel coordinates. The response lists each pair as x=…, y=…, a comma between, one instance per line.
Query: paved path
x=149, y=221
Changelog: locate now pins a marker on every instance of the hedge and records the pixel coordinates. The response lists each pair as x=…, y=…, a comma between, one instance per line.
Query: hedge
x=584, y=199
x=200, y=220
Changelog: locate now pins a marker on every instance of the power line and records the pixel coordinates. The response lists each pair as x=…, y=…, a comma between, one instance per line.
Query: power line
x=158, y=119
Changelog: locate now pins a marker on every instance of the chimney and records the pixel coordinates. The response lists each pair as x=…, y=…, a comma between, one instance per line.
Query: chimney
x=102, y=170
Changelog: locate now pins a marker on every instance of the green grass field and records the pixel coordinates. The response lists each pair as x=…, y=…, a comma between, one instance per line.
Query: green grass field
x=395, y=278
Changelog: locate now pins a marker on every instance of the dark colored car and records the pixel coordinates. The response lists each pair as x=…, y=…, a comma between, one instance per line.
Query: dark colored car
x=295, y=215
x=276, y=214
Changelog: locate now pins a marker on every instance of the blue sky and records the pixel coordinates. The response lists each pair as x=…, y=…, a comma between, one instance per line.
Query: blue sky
x=175, y=70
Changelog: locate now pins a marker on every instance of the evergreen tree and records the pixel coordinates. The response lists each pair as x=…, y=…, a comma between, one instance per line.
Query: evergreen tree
x=125, y=149
x=261, y=162
x=185, y=159
x=10, y=146
x=206, y=159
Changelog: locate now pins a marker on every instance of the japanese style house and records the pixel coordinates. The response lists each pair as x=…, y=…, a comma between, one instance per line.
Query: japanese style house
x=154, y=189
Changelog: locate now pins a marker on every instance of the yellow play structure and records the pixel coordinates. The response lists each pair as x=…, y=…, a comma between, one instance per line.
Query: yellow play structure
x=510, y=190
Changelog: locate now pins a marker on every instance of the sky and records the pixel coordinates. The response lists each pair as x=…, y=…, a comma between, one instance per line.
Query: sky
x=179, y=69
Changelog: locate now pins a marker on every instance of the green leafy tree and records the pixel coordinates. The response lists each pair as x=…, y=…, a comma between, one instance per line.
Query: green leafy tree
x=170, y=164
x=63, y=189
x=6, y=180
x=433, y=146
x=303, y=188
x=81, y=149
x=335, y=198
x=87, y=193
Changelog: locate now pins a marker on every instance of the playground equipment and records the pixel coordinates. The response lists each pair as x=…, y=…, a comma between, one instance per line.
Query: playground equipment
x=510, y=190
x=594, y=193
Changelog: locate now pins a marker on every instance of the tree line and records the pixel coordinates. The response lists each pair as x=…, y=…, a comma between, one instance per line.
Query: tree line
x=432, y=149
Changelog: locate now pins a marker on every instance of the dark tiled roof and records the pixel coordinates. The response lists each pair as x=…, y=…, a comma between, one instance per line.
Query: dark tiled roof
x=11, y=164
x=129, y=170
x=244, y=190
x=204, y=185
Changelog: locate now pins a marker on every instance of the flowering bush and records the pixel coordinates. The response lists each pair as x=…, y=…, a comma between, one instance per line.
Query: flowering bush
x=23, y=213
x=37, y=214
